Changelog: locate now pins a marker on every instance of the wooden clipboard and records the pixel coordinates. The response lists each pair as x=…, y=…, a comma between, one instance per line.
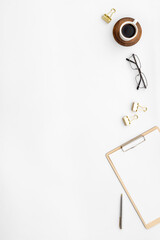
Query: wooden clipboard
x=138, y=140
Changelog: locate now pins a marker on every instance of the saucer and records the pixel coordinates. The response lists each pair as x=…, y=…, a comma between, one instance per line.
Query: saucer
x=116, y=29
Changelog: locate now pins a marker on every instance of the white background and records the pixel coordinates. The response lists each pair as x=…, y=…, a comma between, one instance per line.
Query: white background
x=64, y=87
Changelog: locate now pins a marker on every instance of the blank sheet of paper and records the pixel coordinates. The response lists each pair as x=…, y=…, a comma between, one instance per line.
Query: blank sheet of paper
x=139, y=169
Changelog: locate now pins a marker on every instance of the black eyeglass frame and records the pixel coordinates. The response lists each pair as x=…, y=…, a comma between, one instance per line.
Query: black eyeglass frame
x=139, y=70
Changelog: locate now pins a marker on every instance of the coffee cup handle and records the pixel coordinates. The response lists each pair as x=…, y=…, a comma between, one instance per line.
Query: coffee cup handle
x=135, y=21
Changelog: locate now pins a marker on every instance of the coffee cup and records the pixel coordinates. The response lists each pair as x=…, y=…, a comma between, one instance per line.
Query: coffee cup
x=128, y=30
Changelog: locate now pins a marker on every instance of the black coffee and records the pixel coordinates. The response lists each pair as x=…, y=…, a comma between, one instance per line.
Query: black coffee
x=128, y=30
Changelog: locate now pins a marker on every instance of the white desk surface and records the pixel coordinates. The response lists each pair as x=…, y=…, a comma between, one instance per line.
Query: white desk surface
x=64, y=87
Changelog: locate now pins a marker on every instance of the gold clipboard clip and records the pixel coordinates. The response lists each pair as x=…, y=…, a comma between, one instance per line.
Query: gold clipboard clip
x=133, y=143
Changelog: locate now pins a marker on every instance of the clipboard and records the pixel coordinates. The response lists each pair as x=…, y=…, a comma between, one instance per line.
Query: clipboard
x=124, y=159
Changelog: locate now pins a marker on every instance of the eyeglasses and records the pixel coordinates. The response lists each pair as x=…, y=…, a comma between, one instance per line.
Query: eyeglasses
x=140, y=78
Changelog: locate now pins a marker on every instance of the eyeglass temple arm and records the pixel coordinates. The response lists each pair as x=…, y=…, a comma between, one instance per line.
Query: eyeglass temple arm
x=130, y=61
x=141, y=79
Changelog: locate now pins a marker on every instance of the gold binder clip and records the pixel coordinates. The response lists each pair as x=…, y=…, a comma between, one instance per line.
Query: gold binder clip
x=107, y=17
x=127, y=120
x=136, y=107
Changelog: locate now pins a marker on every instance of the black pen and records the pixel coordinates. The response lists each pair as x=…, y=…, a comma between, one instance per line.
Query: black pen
x=120, y=216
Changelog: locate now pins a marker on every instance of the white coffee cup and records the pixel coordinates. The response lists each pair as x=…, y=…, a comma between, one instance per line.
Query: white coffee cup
x=134, y=25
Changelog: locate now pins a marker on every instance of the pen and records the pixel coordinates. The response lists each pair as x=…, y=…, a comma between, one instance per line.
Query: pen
x=121, y=206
